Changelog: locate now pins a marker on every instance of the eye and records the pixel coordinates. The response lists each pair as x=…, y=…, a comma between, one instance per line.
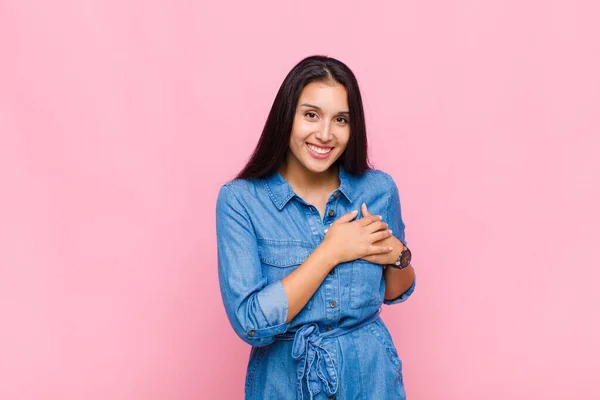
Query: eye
x=311, y=113
x=344, y=119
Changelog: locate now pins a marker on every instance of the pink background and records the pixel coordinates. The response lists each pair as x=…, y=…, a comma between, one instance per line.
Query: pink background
x=119, y=121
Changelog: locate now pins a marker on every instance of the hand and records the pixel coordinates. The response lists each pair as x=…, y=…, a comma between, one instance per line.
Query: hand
x=348, y=240
x=387, y=242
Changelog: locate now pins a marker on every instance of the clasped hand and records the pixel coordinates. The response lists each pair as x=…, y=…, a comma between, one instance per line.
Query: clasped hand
x=367, y=238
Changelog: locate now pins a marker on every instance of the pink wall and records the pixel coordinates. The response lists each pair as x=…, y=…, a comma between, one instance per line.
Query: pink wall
x=119, y=121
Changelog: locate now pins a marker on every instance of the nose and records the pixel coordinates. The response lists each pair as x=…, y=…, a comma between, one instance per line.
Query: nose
x=326, y=132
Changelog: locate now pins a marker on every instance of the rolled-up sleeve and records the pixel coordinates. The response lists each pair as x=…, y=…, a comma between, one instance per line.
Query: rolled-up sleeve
x=396, y=224
x=256, y=311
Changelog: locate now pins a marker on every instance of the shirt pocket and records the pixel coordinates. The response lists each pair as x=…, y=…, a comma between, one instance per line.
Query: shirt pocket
x=281, y=257
x=366, y=281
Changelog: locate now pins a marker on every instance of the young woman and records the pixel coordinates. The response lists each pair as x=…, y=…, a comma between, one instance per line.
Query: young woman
x=311, y=244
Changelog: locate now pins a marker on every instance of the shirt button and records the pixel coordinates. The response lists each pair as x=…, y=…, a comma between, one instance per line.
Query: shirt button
x=251, y=333
x=332, y=304
x=332, y=271
x=336, y=194
x=331, y=397
x=328, y=328
x=331, y=213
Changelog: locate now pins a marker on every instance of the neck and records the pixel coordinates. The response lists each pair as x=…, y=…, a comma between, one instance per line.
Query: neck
x=303, y=180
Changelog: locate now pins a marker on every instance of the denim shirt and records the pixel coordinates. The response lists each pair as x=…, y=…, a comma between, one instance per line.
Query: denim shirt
x=337, y=345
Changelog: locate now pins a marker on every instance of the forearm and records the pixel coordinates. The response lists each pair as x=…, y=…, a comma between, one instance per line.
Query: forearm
x=303, y=282
x=397, y=281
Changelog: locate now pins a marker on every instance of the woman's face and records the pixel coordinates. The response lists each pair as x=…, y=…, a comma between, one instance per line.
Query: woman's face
x=321, y=128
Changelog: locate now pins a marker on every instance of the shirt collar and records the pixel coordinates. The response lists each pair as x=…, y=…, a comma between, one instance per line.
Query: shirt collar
x=281, y=192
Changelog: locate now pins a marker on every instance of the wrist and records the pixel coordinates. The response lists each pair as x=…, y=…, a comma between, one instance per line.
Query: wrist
x=401, y=257
x=328, y=257
x=397, y=247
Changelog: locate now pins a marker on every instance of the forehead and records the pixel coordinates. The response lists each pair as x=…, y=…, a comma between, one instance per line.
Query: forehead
x=325, y=95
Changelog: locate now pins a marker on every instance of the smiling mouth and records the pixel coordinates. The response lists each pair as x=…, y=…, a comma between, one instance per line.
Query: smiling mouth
x=319, y=150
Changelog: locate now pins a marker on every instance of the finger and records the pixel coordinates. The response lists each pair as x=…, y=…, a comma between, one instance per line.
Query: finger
x=346, y=217
x=365, y=212
x=376, y=226
x=381, y=235
x=380, y=250
x=369, y=220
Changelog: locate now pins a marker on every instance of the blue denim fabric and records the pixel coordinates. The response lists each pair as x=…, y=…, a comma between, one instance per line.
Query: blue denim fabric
x=337, y=346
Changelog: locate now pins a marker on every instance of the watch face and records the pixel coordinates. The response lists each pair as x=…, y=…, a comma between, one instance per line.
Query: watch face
x=405, y=259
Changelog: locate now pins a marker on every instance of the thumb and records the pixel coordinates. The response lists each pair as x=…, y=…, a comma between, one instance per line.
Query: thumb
x=364, y=210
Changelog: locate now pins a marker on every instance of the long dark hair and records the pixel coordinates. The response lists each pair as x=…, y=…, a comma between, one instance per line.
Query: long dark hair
x=273, y=145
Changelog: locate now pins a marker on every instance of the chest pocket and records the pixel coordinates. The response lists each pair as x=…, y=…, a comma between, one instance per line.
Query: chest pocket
x=280, y=257
x=367, y=284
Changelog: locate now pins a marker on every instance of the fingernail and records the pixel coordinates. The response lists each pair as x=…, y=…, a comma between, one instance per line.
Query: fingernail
x=390, y=231
x=355, y=211
x=364, y=205
x=380, y=217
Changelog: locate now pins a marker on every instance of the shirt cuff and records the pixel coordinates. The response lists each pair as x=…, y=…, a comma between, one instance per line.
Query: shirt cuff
x=273, y=304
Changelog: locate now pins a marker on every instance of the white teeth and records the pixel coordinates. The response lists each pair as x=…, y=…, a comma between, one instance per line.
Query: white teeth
x=319, y=150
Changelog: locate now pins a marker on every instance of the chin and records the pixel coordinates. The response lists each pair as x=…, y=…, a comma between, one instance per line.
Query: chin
x=317, y=168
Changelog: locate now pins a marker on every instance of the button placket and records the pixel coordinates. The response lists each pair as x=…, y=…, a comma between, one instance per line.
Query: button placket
x=331, y=289
x=314, y=221
x=329, y=214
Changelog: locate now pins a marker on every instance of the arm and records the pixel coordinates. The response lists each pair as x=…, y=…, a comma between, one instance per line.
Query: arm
x=258, y=311
x=304, y=281
x=399, y=284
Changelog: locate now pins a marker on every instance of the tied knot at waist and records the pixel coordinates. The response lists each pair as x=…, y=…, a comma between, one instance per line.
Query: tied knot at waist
x=314, y=361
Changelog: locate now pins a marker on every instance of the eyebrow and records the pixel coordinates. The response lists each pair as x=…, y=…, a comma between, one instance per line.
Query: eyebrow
x=319, y=108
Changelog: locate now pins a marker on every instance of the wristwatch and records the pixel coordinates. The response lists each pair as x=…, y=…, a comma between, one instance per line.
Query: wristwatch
x=403, y=259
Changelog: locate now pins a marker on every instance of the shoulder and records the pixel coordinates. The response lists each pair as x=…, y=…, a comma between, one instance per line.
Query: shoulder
x=240, y=185
x=378, y=179
x=235, y=190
